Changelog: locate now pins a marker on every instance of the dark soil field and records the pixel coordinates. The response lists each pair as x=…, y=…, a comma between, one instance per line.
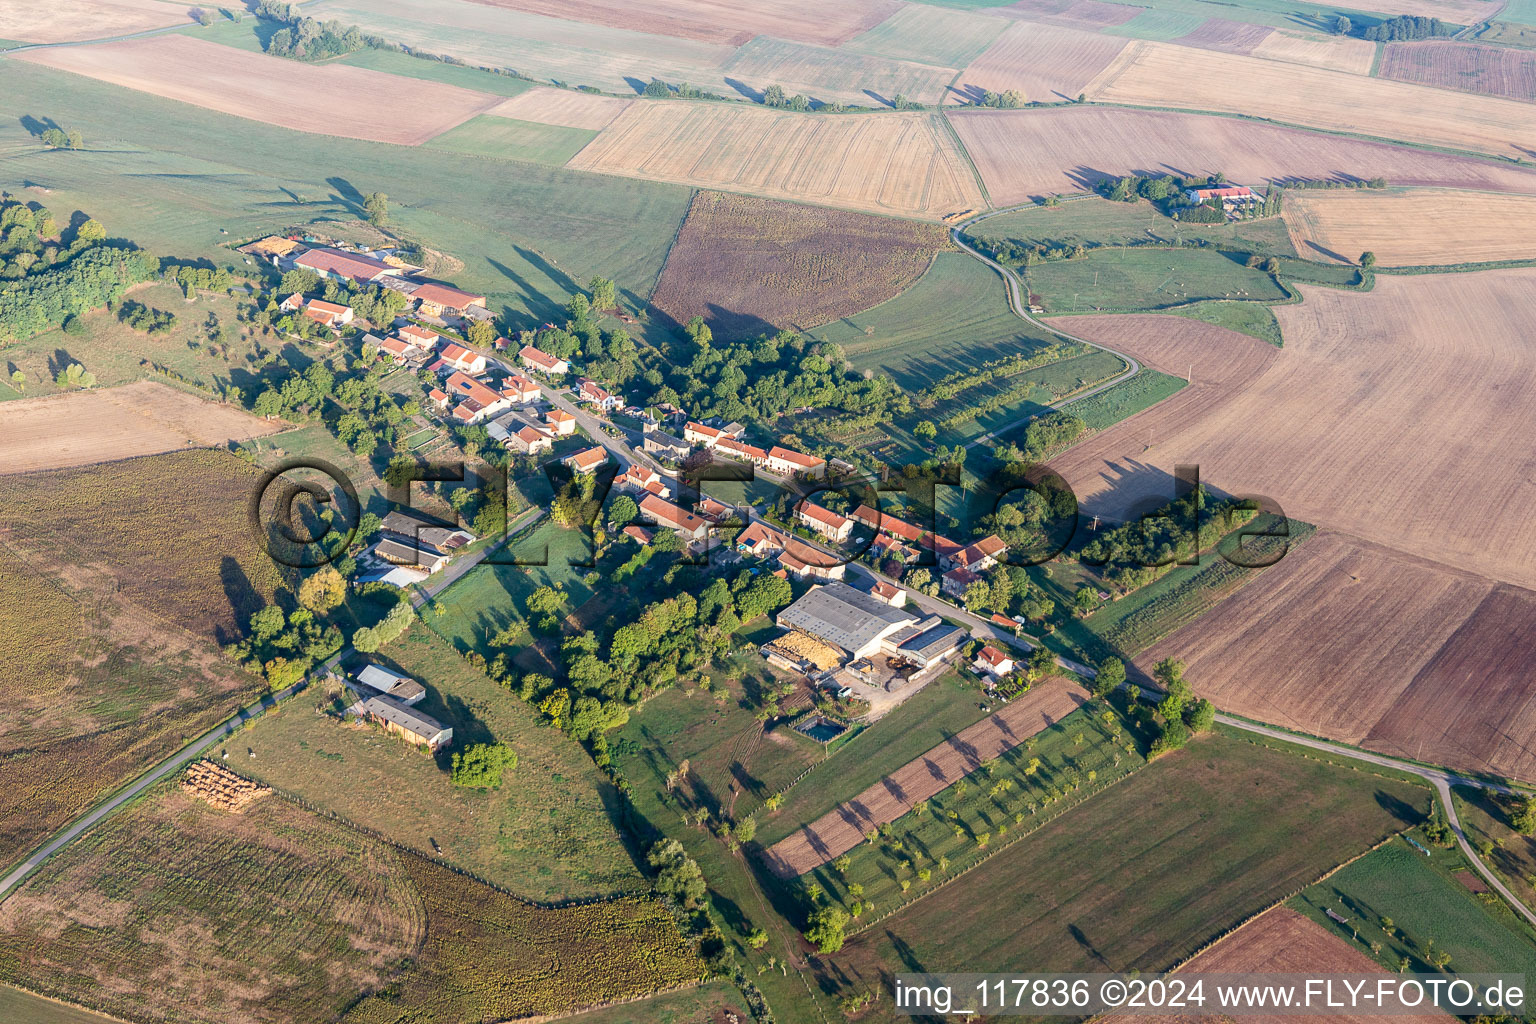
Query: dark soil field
x=1143, y=874
x=751, y=265
x=1490, y=70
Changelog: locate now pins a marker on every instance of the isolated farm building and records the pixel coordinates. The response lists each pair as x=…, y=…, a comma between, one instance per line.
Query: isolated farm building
x=560, y=422
x=457, y=357
x=529, y=440
x=807, y=563
x=520, y=389
x=418, y=337
x=401, y=553
x=591, y=391
x=586, y=461
x=1231, y=196
x=436, y=299
x=847, y=618
x=665, y=445
x=423, y=532
x=476, y=400
x=800, y=652
x=688, y=526
x=544, y=362
x=925, y=643
x=824, y=521
x=993, y=662
x=785, y=462
x=735, y=449
x=760, y=540
x=345, y=266
x=408, y=723
x=402, y=688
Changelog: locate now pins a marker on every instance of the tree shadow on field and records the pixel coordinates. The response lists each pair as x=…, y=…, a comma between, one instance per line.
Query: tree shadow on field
x=1328, y=252
x=346, y=193
x=755, y=95
x=242, y=597
x=35, y=126
x=1402, y=810
x=537, y=303
x=1081, y=938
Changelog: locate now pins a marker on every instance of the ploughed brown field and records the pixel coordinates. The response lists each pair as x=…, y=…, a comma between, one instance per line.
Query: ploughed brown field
x=1282, y=941
x=1047, y=63
x=749, y=265
x=61, y=21
x=1027, y=153
x=720, y=21
x=358, y=103
x=1402, y=416
x=143, y=418
x=1491, y=70
x=840, y=830
x=1163, y=75
x=1424, y=227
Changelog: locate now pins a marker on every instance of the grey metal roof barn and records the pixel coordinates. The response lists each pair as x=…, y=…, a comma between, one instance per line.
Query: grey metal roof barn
x=841, y=615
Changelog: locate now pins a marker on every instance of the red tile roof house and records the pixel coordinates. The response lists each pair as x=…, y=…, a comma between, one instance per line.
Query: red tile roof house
x=785, y=462
x=476, y=400
x=595, y=393
x=395, y=350
x=956, y=580
x=520, y=389
x=437, y=299
x=979, y=556
x=418, y=337
x=733, y=448
x=544, y=362
x=439, y=398
x=328, y=314
x=638, y=534
x=824, y=521
x=561, y=422
x=342, y=265
x=663, y=513
x=642, y=479
x=530, y=441
x=890, y=593
x=698, y=433
x=992, y=662
x=457, y=357
x=806, y=562
x=714, y=511
x=586, y=461
x=760, y=540
x=292, y=304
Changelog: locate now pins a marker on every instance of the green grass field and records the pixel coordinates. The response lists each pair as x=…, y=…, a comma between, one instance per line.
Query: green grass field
x=931, y=35
x=507, y=139
x=1144, y=390
x=1117, y=280
x=545, y=833
x=1145, y=872
x=1486, y=819
x=396, y=63
x=1044, y=384
x=1158, y=24
x=1429, y=909
x=954, y=317
x=173, y=177
x=1078, y=756
x=1254, y=319
x=1097, y=221
x=941, y=709
x=1521, y=12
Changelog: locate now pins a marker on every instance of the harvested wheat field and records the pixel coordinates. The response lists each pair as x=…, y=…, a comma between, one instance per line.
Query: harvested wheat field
x=565, y=108
x=721, y=21
x=1162, y=75
x=748, y=265
x=1402, y=416
x=143, y=418
x=1490, y=70
x=1409, y=229
x=1281, y=941
x=829, y=75
x=839, y=831
x=274, y=90
x=1047, y=63
x=1022, y=154
x=1338, y=53
x=902, y=163
x=1089, y=14
x=66, y=21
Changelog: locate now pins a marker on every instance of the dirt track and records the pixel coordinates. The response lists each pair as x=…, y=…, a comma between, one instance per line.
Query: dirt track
x=840, y=830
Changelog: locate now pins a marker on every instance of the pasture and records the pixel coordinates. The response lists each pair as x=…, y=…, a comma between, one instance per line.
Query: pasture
x=1420, y=227
x=545, y=833
x=506, y=139
x=1489, y=70
x=1159, y=74
x=1126, y=399
x=1320, y=426
x=173, y=888
x=834, y=76
x=1024, y=154
x=1145, y=872
x=271, y=89
x=840, y=830
x=896, y=163
x=1095, y=221
x=954, y=317
x=143, y=418
x=1428, y=909
x=1147, y=278
x=1046, y=63
x=1487, y=818
x=1254, y=319
x=748, y=265
x=404, y=65
x=151, y=161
